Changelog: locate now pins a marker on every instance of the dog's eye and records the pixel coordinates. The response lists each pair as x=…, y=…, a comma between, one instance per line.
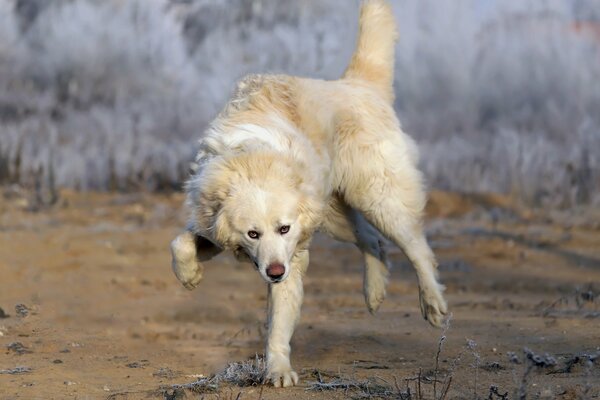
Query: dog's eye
x=253, y=234
x=284, y=229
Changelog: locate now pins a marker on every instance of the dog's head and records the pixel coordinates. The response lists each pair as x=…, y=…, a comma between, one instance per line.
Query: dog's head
x=259, y=205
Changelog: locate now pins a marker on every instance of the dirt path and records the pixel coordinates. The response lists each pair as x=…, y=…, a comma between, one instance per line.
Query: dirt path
x=105, y=317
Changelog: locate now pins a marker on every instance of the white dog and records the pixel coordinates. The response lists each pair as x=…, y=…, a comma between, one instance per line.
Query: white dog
x=288, y=156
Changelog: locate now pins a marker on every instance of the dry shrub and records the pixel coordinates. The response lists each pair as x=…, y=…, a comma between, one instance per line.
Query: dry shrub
x=502, y=96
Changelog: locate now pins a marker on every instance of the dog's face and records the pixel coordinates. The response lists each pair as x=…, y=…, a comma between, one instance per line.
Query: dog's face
x=258, y=207
x=265, y=225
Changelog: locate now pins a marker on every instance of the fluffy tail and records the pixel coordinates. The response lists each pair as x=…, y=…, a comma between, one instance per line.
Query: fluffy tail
x=373, y=58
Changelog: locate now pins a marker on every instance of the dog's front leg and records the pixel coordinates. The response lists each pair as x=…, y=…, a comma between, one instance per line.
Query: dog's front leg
x=188, y=251
x=285, y=300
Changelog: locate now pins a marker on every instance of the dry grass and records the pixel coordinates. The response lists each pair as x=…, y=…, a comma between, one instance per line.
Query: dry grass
x=245, y=373
x=433, y=385
x=121, y=106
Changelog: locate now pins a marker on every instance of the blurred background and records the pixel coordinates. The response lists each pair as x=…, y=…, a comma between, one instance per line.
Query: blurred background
x=501, y=95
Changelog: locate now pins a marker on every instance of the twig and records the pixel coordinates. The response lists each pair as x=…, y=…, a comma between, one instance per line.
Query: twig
x=494, y=392
x=589, y=364
x=437, y=364
x=445, y=392
x=522, y=394
x=368, y=388
x=396, y=384
x=419, y=385
x=472, y=345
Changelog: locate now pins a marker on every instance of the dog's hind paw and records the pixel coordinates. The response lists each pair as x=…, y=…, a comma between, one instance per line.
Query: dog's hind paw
x=283, y=377
x=433, y=305
x=373, y=298
x=375, y=282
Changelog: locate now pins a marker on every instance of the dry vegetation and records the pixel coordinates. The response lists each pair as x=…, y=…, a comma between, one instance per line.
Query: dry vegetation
x=434, y=385
x=502, y=95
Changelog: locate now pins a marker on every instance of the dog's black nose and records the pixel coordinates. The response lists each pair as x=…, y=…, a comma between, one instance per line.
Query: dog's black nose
x=275, y=271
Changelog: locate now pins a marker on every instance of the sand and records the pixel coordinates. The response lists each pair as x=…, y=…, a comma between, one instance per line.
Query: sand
x=92, y=309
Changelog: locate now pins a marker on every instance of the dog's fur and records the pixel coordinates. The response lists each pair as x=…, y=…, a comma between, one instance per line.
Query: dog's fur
x=311, y=154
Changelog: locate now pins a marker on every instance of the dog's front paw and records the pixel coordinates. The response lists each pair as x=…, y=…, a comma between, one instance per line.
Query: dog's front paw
x=184, y=262
x=433, y=305
x=192, y=280
x=282, y=377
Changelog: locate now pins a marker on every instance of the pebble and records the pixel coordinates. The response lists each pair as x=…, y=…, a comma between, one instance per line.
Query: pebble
x=15, y=371
x=22, y=310
x=18, y=348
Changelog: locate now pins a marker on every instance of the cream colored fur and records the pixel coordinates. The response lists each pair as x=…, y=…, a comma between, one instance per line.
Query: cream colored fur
x=311, y=154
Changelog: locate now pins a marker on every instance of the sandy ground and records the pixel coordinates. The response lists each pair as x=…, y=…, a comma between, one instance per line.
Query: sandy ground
x=104, y=317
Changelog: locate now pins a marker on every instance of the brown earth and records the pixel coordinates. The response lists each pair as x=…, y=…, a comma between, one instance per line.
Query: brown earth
x=107, y=318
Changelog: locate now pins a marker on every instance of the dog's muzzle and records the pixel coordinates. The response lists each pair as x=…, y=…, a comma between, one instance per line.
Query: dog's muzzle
x=275, y=271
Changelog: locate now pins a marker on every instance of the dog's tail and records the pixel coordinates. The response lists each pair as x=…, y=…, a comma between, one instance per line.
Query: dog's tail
x=373, y=58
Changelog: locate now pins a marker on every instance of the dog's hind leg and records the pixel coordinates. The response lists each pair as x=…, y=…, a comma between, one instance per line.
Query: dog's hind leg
x=400, y=224
x=376, y=272
x=388, y=190
x=285, y=300
x=348, y=225
x=188, y=251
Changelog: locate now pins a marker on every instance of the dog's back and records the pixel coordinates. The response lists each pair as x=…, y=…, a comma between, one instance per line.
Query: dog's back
x=299, y=117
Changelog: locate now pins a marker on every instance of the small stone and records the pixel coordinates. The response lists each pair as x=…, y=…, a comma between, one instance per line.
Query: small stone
x=57, y=361
x=69, y=383
x=547, y=394
x=3, y=314
x=138, y=364
x=18, y=348
x=15, y=371
x=22, y=310
x=106, y=388
x=164, y=373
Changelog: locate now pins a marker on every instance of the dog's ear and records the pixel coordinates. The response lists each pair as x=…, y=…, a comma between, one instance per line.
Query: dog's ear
x=206, y=192
x=220, y=230
x=311, y=212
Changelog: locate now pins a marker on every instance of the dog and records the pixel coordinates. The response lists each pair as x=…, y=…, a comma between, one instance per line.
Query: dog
x=288, y=156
